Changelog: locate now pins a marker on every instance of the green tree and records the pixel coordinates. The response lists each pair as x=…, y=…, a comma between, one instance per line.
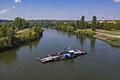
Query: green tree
x=94, y=23
x=20, y=23
x=117, y=25
x=82, y=22
x=11, y=34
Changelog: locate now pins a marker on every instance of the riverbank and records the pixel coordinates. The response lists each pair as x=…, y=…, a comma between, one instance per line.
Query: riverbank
x=21, y=37
x=110, y=37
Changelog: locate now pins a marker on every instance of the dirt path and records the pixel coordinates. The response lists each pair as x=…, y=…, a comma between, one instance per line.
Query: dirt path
x=107, y=35
x=22, y=31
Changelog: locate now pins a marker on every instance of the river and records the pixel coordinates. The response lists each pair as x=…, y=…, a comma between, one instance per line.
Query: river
x=101, y=63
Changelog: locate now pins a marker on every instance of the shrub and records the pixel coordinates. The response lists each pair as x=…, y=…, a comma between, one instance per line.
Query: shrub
x=89, y=32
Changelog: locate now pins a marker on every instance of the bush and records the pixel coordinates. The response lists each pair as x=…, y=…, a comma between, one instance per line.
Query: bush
x=114, y=42
x=89, y=32
x=80, y=31
x=4, y=42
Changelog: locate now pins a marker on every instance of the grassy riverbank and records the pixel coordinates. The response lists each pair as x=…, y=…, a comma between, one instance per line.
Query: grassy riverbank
x=28, y=34
x=21, y=37
x=18, y=32
x=111, y=37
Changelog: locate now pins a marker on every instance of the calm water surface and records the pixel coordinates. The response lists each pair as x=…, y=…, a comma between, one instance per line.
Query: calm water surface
x=101, y=63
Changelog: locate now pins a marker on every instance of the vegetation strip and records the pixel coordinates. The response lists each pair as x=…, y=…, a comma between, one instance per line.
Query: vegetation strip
x=18, y=32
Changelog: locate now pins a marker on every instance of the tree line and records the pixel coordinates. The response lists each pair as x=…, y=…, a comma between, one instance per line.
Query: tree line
x=72, y=25
x=95, y=24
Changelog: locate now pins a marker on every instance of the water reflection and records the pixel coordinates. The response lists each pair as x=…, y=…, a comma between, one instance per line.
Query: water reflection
x=82, y=39
x=32, y=44
x=8, y=57
x=67, y=34
x=92, y=43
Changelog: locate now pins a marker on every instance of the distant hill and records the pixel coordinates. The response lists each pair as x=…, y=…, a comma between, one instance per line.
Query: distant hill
x=5, y=21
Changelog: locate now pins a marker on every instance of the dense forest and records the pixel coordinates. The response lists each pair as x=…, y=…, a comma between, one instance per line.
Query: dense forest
x=17, y=32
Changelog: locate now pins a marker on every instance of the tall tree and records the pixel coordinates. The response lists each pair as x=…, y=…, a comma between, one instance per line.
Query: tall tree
x=94, y=23
x=82, y=22
x=20, y=23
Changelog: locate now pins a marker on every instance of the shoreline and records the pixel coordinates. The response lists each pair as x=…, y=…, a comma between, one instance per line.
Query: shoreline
x=20, y=43
x=110, y=39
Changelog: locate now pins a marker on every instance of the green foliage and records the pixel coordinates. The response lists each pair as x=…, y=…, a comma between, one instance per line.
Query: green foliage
x=20, y=23
x=3, y=30
x=87, y=32
x=17, y=32
x=117, y=25
x=37, y=28
x=65, y=27
x=111, y=26
x=114, y=42
x=80, y=31
x=4, y=42
x=94, y=23
x=81, y=24
x=27, y=35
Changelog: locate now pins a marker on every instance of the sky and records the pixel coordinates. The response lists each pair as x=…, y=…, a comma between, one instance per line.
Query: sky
x=60, y=9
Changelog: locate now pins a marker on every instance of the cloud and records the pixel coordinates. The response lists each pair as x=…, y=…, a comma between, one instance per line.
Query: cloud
x=116, y=1
x=7, y=10
x=18, y=1
x=111, y=16
x=4, y=11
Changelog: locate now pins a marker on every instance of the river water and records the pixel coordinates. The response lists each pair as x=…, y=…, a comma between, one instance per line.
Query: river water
x=101, y=63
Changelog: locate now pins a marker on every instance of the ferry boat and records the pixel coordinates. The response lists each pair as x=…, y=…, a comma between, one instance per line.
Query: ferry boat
x=66, y=54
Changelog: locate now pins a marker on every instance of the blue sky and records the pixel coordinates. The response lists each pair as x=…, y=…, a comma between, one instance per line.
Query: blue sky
x=59, y=9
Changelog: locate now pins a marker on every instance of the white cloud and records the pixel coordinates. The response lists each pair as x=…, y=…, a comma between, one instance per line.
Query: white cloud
x=116, y=1
x=7, y=10
x=111, y=16
x=18, y=1
x=4, y=11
